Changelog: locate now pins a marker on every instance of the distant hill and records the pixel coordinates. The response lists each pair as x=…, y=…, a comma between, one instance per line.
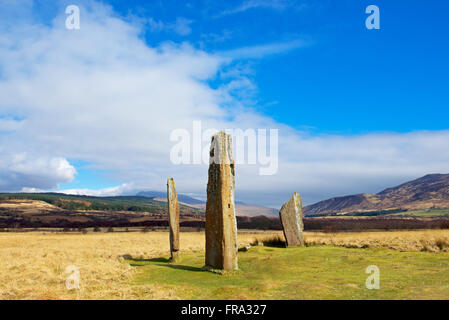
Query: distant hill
x=254, y=211
x=145, y=201
x=54, y=210
x=242, y=209
x=162, y=195
x=90, y=203
x=246, y=210
x=428, y=192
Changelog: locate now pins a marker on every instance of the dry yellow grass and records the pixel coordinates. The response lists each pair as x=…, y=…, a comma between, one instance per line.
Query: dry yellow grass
x=28, y=206
x=425, y=240
x=416, y=240
x=33, y=264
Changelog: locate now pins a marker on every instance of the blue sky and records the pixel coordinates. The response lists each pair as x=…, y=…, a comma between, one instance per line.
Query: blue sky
x=346, y=79
x=358, y=109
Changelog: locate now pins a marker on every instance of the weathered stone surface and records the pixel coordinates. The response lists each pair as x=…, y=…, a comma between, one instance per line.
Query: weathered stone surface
x=292, y=220
x=173, y=217
x=221, y=224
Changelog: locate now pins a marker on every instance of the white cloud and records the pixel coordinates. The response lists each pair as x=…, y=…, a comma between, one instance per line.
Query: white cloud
x=326, y=166
x=254, y=4
x=22, y=170
x=98, y=94
x=124, y=189
x=102, y=95
x=217, y=37
x=181, y=26
x=264, y=50
x=7, y=125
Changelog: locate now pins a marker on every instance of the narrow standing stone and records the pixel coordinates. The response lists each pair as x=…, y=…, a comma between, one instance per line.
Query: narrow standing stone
x=291, y=219
x=173, y=218
x=221, y=224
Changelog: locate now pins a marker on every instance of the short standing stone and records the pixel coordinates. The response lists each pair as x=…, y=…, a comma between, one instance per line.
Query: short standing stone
x=221, y=225
x=291, y=219
x=173, y=218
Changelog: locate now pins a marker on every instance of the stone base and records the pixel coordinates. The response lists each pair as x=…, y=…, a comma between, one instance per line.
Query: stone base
x=174, y=256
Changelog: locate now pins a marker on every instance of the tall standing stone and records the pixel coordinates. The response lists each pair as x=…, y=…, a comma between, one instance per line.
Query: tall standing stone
x=291, y=219
x=173, y=218
x=221, y=224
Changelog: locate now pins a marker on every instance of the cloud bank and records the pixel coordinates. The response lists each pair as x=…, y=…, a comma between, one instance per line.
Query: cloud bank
x=103, y=95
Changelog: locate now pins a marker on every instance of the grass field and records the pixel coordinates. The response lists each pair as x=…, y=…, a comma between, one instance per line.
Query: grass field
x=322, y=272
x=331, y=266
x=423, y=213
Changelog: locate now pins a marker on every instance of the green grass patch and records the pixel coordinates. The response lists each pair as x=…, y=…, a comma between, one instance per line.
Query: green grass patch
x=317, y=272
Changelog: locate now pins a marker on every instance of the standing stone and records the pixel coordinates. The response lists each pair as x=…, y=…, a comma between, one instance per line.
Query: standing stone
x=221, y=224
x=291, y=219
x=173, y=218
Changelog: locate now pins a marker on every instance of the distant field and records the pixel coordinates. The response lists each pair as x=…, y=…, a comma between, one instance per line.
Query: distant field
x=424, y=213
x=387, y=213
x=332, y=266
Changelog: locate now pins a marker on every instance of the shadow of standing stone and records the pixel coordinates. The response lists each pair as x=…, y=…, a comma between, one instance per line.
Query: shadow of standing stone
x=292, y=221
x=173, y=218
x=221, y=225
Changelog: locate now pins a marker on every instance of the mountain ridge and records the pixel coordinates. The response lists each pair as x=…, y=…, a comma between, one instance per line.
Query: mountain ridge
x=428, y=192
x=242, y=209
x=159, y=194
